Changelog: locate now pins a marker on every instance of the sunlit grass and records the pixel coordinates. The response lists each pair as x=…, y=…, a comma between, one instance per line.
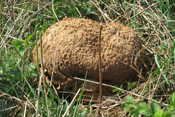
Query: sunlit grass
x=153, y=21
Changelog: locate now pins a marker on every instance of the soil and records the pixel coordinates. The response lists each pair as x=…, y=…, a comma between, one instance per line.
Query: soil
x=74, y=41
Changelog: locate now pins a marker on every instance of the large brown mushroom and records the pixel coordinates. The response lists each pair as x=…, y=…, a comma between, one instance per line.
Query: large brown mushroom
x=75, y=42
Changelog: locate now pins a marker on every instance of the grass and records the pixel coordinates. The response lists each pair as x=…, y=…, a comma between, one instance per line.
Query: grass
x=23, y=22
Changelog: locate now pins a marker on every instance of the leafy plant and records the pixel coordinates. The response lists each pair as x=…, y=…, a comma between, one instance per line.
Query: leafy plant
x=116, y=91
x=75, y=9
x=136, y=109
x=131, y=85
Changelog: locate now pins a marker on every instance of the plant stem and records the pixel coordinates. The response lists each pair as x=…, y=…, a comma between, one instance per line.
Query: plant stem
x=100, y=75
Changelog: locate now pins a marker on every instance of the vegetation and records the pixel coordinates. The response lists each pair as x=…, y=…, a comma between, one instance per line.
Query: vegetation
x=153, y=111
x=22, y=24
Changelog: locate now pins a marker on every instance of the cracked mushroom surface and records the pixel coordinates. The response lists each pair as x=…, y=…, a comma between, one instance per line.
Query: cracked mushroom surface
x=73, y=44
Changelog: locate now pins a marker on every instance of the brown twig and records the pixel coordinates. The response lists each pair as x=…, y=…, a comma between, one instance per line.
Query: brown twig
x=100, y=75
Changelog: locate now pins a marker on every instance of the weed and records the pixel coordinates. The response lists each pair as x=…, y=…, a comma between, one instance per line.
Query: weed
x=153, y=110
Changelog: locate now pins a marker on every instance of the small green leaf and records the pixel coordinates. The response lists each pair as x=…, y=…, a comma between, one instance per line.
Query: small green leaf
x=130, y=99
x=159, y=113
x=33, y=20
x=128, y=106
x=131, y=84
x=21, y=52
x=134, y=113
x=31, y=70
x=118, y=91
x=167, y=114
x=170, y=108
x=157, y=59
x=17, y=43
x=154, y=107
x=125, y=107
x=172, y=99
x=37, y=24
x=28, y=39
x=144, y=109
x=32, y=65
x=114, y=90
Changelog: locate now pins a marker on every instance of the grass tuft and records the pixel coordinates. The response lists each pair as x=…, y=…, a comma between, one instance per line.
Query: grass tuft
x=21, y=22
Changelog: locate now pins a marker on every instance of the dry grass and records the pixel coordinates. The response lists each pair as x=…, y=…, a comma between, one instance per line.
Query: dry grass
x=154, y=23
